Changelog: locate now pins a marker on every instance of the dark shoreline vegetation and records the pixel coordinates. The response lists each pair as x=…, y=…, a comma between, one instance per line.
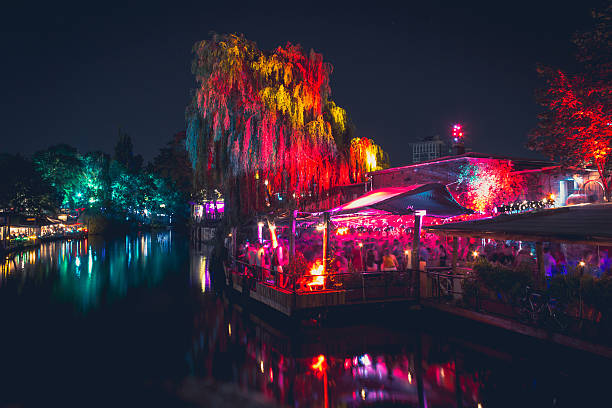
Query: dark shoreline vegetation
x=110, y=193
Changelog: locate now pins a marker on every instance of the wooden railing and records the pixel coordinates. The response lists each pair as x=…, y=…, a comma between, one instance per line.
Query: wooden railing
x=359, y=286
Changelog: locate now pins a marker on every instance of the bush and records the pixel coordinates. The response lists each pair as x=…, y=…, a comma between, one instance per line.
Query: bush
x=508, y=283
x=565, y=289
x=470, y=289
x=598, y=294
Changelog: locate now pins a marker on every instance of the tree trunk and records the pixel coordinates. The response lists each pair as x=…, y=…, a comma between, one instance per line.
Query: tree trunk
x=601, y=170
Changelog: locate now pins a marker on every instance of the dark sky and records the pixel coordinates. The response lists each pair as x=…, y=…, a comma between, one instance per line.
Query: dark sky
x=75, y=73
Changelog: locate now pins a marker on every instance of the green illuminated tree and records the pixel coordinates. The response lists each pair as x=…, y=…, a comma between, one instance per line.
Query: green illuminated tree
x=61, y=166
x=94, y=180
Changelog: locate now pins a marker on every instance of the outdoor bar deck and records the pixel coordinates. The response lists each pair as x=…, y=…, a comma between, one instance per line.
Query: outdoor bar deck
x=348, y=289
x=293, y=293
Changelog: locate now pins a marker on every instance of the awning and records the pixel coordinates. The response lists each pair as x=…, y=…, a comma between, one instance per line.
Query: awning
x=584, y=223
x=433, y=198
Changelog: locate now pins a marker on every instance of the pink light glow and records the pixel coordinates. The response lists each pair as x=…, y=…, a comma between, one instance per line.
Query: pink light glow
x=374, y=197
x=210, y=207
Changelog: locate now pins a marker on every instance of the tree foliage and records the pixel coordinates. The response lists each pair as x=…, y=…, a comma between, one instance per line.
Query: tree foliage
x=486, y=184
x=117, y=187
x=576, y=126
x=172, y=163
x=124, y=153
x=60, y=166
x=261, y=123
x=22, y=187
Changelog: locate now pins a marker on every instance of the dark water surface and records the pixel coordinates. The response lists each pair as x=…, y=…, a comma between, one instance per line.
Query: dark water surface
x=135, y=321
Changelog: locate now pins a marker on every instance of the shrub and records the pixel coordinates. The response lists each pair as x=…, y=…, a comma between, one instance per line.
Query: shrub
x=470, y=289
x=508, y=283
x=565, y=289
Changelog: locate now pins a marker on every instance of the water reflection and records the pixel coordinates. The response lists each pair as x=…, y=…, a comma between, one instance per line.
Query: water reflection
x=150, y=319
x=91, y=271
x=350, y=366
x=413, y=361
x=200, y=269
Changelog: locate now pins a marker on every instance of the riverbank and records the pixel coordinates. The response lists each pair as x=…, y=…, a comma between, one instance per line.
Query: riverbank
x=31, y=244
x=520, y=328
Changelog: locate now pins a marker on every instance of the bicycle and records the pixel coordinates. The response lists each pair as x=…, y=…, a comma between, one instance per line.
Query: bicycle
x=540, y=310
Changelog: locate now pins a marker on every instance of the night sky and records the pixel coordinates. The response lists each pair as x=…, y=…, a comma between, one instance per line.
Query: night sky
x=75, y=73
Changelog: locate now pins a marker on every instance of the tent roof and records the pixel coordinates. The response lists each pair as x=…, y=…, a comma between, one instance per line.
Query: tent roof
x=433, y=198
x=585, y=223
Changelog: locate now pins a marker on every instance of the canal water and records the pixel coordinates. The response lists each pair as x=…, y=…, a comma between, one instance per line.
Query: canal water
x=140, y=321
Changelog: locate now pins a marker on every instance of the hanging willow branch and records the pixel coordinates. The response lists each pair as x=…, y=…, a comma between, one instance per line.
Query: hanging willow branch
x=266, y=116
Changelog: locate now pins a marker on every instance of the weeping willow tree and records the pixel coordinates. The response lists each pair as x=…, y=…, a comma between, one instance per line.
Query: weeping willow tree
x=262, y=128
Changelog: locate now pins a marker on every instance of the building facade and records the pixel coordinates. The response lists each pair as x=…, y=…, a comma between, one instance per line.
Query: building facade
x=538, y=178
x=428, y=149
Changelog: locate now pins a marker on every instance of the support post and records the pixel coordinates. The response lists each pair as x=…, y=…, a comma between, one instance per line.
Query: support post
x=292, y=236
x=416, y=240
x=540, y=262
x=292, y=255
x=326, y=219
x=234, y=231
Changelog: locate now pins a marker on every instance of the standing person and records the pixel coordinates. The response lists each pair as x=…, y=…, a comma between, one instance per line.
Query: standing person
x=549, y=262
x=434, y=252
x=370, y=263
x=252, y=258
x=398, y=251
x=261, y=261
x=377, y=255
x=341, y=262
x=604, y=262
x=561, y=267
x=423, y=254
x=357, y=259
x=389, y=262
x=524, y=258
x=442, y=254
x=276, y=264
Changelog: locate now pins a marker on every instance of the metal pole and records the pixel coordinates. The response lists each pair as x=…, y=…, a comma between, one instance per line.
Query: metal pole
x=325, y=241
x=292, y=236
x=454, y=259
x=416, y=240
x=234, y=231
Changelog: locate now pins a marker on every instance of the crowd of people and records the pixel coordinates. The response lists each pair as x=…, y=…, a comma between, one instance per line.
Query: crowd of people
x=356, y=253
x=351, y=253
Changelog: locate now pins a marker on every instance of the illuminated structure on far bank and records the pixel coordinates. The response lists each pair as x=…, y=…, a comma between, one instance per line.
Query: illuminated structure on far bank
x=261, y=126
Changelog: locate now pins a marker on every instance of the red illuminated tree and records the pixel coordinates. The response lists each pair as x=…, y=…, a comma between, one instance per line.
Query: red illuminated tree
x=262, y=128
x=486, y=184
x=576, y=127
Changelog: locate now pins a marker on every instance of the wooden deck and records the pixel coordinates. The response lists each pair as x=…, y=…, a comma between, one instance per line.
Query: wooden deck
x=289, y=303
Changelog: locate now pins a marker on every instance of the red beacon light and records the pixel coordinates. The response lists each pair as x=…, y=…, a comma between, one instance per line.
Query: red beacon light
x=457, y=133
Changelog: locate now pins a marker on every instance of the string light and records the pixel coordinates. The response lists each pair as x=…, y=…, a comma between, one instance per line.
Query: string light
x=525, y=205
